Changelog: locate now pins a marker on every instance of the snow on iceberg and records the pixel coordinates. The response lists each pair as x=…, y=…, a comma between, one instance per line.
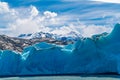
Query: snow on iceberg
x=99, y=54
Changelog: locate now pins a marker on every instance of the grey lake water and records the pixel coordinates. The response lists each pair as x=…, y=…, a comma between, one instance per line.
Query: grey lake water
x=108, y=77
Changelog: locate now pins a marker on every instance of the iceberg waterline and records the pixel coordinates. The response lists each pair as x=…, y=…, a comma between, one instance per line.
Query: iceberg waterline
x=100, y=54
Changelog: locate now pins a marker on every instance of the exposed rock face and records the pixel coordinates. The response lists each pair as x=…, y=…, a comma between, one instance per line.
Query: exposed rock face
x=17, y=44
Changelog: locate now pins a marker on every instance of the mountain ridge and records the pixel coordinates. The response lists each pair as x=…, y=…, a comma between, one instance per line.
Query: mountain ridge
x=17, y=44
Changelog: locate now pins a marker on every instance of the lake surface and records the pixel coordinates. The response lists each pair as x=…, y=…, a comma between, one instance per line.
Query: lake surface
x=100, y=77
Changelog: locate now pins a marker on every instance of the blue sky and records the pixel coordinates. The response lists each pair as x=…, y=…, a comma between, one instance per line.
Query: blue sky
x=87, y=17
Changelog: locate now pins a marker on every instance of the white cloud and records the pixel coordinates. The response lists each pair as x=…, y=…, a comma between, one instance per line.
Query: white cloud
x=29, y=20
x=34, y=12
x=4, y=8
x=85, y=30
x=49, y=14
x=109, y=1
x=24, y=20
x=95, y=29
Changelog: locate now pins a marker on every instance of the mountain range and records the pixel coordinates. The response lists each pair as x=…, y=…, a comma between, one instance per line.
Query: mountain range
x=24, y=40
x=71, y=36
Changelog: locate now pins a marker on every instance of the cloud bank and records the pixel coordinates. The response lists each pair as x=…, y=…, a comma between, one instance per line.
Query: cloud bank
x=15, y=21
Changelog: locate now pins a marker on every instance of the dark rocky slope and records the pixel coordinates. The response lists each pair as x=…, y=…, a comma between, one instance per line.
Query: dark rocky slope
x=17, y=44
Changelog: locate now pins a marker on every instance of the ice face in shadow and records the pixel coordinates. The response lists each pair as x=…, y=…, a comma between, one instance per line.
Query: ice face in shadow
x=10, y=62
x=99, y=54
x=44, y=60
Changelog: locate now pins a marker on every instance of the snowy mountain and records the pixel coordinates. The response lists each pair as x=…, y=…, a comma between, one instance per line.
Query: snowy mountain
x=71, y=36
x=18, y=44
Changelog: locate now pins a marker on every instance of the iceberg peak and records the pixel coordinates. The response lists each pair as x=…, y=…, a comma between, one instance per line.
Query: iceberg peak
x=114, y=35
x=116, y=29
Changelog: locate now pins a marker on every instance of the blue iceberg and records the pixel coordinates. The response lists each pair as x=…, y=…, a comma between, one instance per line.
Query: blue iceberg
x=99, y=54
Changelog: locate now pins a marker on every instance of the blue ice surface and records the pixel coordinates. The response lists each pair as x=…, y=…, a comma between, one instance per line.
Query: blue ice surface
x=98, y=54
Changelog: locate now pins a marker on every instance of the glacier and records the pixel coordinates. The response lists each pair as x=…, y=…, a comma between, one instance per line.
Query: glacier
x=98, y=54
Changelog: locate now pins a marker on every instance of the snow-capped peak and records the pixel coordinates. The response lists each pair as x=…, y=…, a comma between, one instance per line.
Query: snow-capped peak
x=69, y=36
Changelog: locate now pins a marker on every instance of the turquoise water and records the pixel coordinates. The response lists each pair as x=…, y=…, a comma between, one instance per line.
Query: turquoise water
x=64, y=78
